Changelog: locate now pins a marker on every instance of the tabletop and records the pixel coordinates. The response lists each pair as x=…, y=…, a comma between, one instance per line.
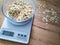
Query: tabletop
x=42, y=33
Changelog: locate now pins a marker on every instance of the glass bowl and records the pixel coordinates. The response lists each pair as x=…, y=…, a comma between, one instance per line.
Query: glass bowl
x=5, y=6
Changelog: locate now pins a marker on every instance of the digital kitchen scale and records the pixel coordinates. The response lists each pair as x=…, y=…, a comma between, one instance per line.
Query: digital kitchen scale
x=16, y=33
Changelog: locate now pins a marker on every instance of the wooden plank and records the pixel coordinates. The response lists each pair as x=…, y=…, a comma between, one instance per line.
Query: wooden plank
x=38, y=18
x=1, y=19
x=43, y=37
x=45, y=26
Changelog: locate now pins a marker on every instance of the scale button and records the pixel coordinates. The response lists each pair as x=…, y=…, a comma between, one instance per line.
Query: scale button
x=24, y=35
x=18, y=34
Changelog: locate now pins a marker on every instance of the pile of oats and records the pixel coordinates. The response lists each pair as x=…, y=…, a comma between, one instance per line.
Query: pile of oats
x=20, y=10
x=50, y=15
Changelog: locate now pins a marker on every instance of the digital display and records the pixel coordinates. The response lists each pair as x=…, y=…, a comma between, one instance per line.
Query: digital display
x=8, y=33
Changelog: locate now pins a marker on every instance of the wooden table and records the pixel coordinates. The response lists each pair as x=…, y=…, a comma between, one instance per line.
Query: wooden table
x=42, y=33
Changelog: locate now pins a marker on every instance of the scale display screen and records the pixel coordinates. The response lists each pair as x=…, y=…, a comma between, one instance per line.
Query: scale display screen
x=8, y=33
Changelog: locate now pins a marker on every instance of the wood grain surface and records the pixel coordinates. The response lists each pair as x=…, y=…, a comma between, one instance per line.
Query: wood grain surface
x=42, y=33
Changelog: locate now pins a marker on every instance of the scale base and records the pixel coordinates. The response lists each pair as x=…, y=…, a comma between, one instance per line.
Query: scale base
x=16, y=33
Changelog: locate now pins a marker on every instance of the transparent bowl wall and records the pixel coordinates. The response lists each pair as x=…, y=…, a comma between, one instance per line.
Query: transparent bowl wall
x=5, y=6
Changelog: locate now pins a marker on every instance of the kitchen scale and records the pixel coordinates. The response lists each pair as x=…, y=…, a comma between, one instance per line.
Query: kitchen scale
x=14, y=31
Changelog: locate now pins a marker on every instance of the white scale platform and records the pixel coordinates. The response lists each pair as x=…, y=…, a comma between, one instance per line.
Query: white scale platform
x=16, y=33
